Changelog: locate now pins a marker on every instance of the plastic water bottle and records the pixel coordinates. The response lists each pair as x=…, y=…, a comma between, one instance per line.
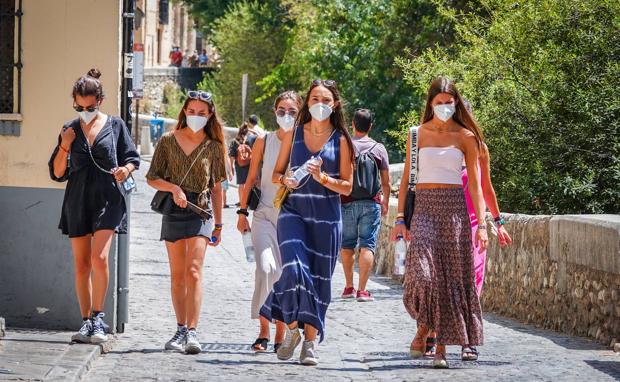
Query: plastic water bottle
x=248, y=246
x=302, y=171
x=400, y=254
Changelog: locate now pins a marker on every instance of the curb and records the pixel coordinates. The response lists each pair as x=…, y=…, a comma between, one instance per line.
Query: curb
x=77, y=361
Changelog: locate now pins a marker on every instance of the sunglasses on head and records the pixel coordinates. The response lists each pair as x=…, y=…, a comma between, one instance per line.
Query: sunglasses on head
x=282, y=113
x=80, y=109
x=327, y=83
x=200, y=95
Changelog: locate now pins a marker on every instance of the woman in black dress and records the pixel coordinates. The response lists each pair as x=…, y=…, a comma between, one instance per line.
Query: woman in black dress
x=93, y=152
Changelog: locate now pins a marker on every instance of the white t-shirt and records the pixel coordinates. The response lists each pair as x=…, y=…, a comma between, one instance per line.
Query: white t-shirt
x=258, y=131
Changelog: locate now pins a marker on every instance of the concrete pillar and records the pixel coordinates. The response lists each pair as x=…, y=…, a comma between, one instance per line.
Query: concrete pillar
x=2, y=327
x=146, y=147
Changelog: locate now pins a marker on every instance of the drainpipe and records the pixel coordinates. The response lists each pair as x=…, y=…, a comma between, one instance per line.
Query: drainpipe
x=122, y=307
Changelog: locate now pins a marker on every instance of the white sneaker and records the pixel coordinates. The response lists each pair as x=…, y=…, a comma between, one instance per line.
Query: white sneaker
x=83, y=335
x=98, y=335
x=309, y=355
x=192, y=344
x=177, y=342
x=291, y=340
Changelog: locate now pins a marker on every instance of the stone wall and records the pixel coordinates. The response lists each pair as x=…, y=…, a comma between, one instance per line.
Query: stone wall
x=156, y=79
x=561, y=273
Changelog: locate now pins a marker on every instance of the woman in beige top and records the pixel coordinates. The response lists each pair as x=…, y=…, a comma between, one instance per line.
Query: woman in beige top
x=265, y=218
x=189, y=163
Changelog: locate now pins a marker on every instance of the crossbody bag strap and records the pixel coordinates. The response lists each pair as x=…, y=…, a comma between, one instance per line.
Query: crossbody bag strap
x=90, y=153
x=413, y=158
x=192, y=165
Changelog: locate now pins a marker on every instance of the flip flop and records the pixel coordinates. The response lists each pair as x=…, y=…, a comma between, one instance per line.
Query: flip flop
x=260, y=345
x=469, y=353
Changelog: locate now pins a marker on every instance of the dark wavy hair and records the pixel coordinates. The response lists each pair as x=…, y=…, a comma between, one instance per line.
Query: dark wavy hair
x=462, y=116
x=336, y=118
x=88, y=85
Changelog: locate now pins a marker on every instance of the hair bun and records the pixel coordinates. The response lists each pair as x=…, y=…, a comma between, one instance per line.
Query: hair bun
x=94, y=73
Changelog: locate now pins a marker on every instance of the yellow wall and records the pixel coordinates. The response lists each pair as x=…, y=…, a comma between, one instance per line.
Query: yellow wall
x=62, y=40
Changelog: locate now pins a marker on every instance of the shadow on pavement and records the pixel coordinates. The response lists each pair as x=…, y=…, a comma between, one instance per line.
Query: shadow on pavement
x=611, y=368
x=564, y=340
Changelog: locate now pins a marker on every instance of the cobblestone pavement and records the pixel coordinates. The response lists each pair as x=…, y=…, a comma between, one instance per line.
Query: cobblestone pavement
x=364, y=341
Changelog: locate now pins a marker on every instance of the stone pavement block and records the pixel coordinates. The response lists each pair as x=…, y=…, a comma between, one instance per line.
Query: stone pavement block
x=364, y=341
x=44, y=355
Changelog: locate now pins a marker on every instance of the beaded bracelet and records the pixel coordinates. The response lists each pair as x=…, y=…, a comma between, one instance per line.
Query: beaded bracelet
x=399, y=222
x=243, y=211
x=324, y=178
x=218, y=227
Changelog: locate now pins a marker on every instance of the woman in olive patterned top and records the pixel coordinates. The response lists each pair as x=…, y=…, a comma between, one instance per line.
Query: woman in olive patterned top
x=189, y=163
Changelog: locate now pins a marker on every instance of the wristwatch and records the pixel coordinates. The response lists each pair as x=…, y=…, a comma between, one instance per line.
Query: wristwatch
x=499, y=221
x=243, y=211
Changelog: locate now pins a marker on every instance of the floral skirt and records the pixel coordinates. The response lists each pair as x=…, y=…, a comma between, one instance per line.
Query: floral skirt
x=439, y=290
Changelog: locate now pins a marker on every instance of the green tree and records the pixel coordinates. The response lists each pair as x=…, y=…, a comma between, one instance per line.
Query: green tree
x=250, y=38
x=206, y=12
x=355, y=42
x=542, y=77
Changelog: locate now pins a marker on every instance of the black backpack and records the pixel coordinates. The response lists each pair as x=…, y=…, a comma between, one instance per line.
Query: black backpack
x=366, y=177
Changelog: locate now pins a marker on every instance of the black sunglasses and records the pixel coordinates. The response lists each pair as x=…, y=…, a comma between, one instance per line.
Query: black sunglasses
x=200, y=95
x=80, y=109
x=327, y=83
x=281, y=113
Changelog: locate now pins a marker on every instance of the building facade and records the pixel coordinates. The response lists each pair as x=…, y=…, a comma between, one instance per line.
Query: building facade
x=161, y=25
x=45, y=47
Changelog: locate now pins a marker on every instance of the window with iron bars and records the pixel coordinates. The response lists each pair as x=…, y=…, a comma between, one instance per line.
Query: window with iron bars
x=10, y=66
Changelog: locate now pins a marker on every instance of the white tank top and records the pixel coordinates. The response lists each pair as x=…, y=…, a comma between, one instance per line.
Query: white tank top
x=440, y=165
x=267, y=188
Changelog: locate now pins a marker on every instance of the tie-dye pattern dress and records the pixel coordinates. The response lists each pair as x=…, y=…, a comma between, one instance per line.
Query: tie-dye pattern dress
x=309, y=236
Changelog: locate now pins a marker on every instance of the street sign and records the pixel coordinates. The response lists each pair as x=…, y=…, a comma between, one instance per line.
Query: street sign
x=128, y=66
x=244, y=93
x=138, y=71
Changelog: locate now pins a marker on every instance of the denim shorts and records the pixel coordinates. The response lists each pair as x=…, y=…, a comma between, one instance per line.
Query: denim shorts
x=361, y=221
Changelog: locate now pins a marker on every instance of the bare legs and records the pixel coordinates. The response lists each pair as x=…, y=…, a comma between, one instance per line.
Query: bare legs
x=90, y=258
x=366, y=261
x=186, y=260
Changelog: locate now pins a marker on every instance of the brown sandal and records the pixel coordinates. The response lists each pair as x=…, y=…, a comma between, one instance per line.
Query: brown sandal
x=260, y=345
x=439, y=361
x=418, y=345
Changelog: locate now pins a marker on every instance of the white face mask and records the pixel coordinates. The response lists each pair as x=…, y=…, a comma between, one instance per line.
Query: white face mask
x=444, y=112
x=88, y=116
x=196, y=122
x=320, y=111
x=286, y=123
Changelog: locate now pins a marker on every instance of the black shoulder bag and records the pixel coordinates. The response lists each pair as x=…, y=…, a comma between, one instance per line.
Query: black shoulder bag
x=255, y=192
x=162, y=201
x=413, y=177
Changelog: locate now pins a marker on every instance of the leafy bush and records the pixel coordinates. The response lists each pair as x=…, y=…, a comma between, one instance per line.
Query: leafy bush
x=542, y=78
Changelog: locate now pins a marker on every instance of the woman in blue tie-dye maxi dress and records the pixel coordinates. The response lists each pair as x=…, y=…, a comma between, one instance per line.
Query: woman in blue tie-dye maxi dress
x=309, y=224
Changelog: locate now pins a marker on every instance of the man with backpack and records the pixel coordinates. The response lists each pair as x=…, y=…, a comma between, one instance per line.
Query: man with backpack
x=362, y=210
